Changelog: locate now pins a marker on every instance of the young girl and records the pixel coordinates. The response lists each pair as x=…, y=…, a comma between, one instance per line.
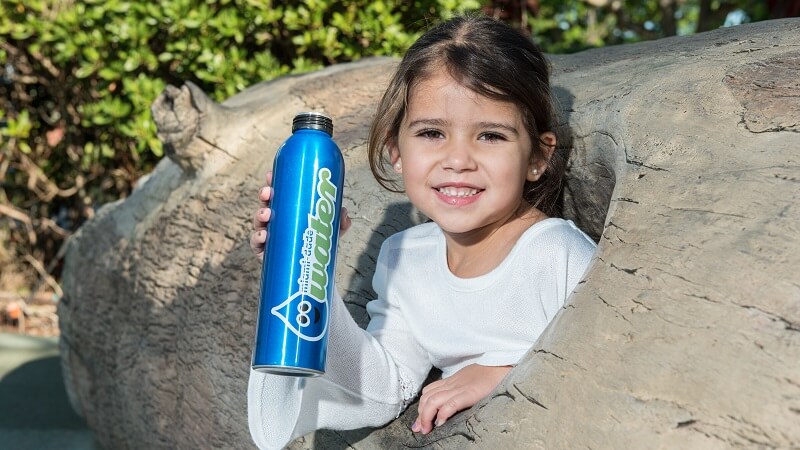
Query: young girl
x=467, y=123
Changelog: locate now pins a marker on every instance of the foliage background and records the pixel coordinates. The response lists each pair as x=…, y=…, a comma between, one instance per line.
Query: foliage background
x=77, y=79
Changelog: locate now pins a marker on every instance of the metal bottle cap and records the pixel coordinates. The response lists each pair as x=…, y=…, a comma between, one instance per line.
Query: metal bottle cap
x=312, y=121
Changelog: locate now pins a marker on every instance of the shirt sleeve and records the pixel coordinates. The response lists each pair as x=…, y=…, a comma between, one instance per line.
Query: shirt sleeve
x=371, y=376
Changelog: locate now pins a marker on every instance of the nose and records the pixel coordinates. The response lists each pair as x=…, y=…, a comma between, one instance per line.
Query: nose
x=458, y=156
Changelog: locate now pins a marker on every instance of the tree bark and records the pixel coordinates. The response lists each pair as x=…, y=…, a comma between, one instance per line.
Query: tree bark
x=685, y=332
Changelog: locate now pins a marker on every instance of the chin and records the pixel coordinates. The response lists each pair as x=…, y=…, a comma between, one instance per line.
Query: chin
x=456, y=227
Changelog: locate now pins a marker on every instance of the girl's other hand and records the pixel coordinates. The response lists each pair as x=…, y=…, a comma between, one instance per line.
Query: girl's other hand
x=258, y=239
x=441, y=399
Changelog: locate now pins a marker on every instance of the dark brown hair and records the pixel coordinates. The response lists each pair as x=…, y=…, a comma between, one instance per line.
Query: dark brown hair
x=491, y=59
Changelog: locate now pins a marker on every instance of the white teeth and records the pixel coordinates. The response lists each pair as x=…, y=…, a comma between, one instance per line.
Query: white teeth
x=457, y=191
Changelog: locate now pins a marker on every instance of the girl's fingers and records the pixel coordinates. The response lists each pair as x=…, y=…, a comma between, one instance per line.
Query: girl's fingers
x=258, y=240
x=264, y=195
x=425, y=408
x=433, y=386
x=261, y=218
x=455, y=403
x=441, y=405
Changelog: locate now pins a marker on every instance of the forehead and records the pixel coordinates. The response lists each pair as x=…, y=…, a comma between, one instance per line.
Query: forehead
x=440, y=93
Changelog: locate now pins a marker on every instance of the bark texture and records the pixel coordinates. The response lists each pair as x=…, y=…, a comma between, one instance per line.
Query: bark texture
x=684, y=334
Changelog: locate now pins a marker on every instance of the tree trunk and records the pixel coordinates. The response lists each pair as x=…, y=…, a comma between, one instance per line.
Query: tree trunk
x=710, y=18
x=685, y=332
x=668, y=25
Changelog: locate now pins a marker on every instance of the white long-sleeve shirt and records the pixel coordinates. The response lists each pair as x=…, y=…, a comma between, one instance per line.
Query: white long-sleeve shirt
x=424, y=317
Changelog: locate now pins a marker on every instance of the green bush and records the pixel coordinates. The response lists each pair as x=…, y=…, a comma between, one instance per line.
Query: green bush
x=77, y=79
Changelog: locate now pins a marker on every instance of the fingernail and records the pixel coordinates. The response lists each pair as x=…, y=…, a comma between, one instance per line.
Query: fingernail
x=415, y=427
x=439, y=422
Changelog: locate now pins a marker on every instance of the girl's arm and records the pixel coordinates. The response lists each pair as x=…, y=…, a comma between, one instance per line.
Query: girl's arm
x=364, y=385
x=371, y=376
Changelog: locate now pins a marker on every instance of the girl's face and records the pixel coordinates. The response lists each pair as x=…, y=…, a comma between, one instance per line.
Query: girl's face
x=464, y=158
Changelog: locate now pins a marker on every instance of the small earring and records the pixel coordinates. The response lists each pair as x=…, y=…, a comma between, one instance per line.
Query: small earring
x=397, y=165
x=535, y=171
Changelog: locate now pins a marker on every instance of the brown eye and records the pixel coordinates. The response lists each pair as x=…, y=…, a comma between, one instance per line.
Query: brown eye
x=492, y=137
x=430, y=134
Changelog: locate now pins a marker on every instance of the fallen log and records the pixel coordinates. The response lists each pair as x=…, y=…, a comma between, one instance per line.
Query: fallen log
x=684, y=334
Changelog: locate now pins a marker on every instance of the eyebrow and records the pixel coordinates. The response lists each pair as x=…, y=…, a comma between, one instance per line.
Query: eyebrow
x=441, y=123
x=428, y=122
x=502, y=126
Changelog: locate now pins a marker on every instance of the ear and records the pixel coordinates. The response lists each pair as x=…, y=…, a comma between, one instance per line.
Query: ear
x=537, y=165
x=394, y=156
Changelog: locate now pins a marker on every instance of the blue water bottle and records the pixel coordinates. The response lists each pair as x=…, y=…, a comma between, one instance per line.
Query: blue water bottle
x=299, y=260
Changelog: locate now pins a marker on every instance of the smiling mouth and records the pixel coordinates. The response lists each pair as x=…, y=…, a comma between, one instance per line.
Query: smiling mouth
x=459, y=192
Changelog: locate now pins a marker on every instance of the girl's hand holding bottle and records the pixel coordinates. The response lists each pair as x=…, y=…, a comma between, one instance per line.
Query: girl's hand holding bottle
x=258, y=238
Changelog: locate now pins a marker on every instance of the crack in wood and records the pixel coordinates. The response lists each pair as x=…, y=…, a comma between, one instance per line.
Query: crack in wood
x=529, y=397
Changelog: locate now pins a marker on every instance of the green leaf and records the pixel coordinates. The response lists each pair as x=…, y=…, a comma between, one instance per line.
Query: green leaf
x=100, y=119
x=107, y=73
x=130, y=64
x=84, y=71
x=91, y=54
x=191, y=23
x=106, y=150
x=156, y=147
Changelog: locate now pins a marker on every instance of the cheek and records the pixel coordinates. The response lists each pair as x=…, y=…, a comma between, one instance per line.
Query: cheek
x=415, y=165
x=413, y=177
x=510, y=169
x=511, y=175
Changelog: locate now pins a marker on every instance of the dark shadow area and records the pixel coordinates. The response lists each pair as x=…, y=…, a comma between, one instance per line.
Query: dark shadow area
x=562, y=108
x=33, y=397
x=589, y=182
